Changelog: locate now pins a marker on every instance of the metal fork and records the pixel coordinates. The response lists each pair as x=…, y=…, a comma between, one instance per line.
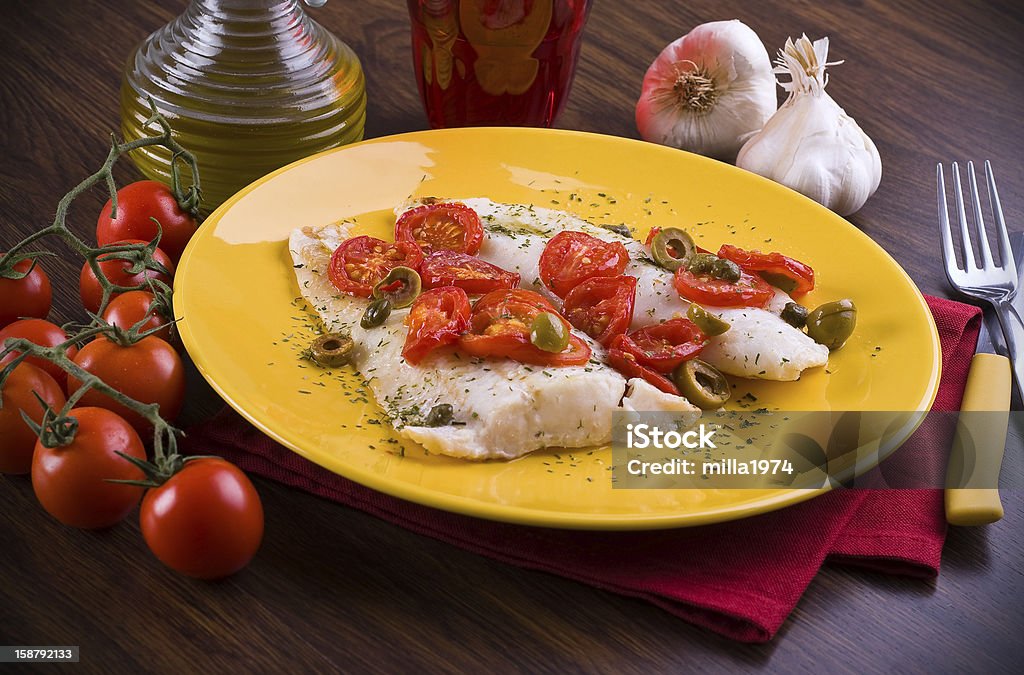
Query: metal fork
x=995, y=284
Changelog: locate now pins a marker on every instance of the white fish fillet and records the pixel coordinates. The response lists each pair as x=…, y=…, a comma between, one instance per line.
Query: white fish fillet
x=759, y=344
x=503, y=409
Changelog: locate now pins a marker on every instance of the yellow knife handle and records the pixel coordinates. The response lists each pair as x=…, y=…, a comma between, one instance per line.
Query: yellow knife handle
x=988, y=390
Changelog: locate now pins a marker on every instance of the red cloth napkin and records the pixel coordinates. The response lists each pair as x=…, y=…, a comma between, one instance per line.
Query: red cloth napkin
x=741, y=579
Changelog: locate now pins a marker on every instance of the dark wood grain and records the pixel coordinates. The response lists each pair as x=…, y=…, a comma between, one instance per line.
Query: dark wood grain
x=335, y=589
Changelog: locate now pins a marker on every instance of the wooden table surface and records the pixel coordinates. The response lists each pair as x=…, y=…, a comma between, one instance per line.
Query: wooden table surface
x=333, y=588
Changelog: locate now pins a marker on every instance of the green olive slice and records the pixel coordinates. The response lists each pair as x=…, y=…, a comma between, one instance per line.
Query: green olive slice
x=794, y=314
x=376, y=314
x=708, y=323
x=832, y=324
x=401, y=286
x=672, y=248
x=702, y=384
x=332, y=349
x=548, y=332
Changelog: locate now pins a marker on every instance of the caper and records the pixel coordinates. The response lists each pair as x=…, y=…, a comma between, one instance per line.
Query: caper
x=726, y=269
x=832, y=324
x=672, y=248
x=441, y=415
x=620, y=229
x=548, y=332
x=401, y=286
x=376, y=314
x=702, y=384
x=331, y=349
x=701, y=263
x=708, y=323
x=794, y=314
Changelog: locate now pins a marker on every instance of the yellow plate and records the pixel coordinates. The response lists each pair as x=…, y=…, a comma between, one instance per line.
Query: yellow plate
x=245, y=328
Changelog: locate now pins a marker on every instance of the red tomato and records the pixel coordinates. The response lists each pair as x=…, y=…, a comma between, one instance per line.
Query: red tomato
x=790, y=275
x=44, y=334
x=500, y=326
x=72, y=481
x=441, y=227
x=602, y=307
x=129, y=308
x=665, y=345
x=651, y=235
x=150, y=371
x=116, y=271
x=29, y=296
x=136, y=204
x=360, y=262
x=17, y=440
x=206, y=521
x=473, y=275
x=626, y=364
x=749, y=291
x=437, y=318
x=572, y=257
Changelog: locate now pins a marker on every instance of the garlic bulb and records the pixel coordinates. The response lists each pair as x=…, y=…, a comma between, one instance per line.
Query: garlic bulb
x=811, y=144
x=708, y=90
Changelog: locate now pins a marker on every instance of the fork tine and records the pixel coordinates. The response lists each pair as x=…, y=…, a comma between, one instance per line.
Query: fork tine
x=979, y=220
x=958, y=195
x=948, y=254
x=1005, y=251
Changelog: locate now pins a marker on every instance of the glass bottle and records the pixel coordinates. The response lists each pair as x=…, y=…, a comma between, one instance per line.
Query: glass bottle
x=248, y=86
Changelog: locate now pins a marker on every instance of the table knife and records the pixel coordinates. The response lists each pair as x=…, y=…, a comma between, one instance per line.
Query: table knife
x=987, y=392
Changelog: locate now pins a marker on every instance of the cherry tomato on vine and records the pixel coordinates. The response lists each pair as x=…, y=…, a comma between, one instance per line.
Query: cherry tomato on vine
x=71, y=481
x=441, y=227
x=136, y=204
x=149, y=371
x=206, y=521
x=17, y=440
x=129, y=308
x=360, y=262
x=44, y=334
x=573, y=257
x=601, y=307
x=117, y=273
x=29, y=296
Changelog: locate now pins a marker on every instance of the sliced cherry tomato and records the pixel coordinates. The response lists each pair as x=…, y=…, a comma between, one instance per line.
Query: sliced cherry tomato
x=449, y=226
x=437, y=318
x=206, y=521
x=44, y=334
x=130, y=308
x=137, y=204
x=789, y=274
x=72, y=481
x=626, y=364
x=602, y=307
x=116, y=271
x=573, y=257
x=500, y=326
x=29, y=296
x=750, y=291
x=651, y=235
x=471, y=274
x=149, y=371
x=663, y=346
x=360, y=262
x=17, y=440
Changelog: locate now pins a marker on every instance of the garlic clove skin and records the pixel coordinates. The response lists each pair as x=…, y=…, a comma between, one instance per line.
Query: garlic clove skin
x=708, y=90
x=811, y=145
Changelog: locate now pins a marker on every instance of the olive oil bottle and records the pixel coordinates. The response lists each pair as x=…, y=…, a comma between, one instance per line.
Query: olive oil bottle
x=248, y=86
